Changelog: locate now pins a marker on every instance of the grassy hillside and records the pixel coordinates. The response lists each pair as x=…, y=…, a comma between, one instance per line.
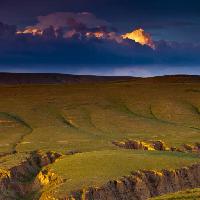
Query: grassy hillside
x=87, y=118
x=98, y=167
x=185, y=195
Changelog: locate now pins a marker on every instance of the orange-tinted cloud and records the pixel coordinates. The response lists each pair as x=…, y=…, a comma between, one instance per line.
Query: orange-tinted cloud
x=31, y=30
x=71, y=24
x=83, y=25
x=140, y=36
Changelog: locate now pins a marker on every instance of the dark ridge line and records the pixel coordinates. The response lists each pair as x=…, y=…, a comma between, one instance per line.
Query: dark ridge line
x=149, y=118
x=151, y=112
x=61, y=118
x=16, y=118
x=66, y=122
x=157, y=119
x=131, y=112
x=172, y=123
x=91, y=122
x=2, y=155
x=192, y=90
x=10, y=79
x=194, y=128
x=56, y=78
x=20, y=140
x=195, y=108
x=22, y=122
x=161, y=120
x=197, y=111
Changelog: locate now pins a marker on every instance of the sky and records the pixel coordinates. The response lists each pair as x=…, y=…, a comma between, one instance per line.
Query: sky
x=102, y=37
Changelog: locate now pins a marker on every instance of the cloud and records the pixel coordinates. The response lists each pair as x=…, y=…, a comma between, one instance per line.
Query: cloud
x=70, y=19
x=140, y=36
x=83, y=25
x=31, y=50
x=70, y=24
x=75, y=39
x=7, y=31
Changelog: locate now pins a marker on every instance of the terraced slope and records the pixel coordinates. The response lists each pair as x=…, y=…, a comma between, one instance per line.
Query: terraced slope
x=87, y=118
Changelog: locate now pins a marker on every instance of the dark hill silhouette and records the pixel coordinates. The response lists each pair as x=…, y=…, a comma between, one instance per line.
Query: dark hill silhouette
x=56, y=78
x=50, y=78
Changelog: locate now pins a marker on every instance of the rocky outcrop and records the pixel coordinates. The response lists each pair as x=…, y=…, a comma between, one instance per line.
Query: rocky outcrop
x=142, y=145
x=157, y=145
x=142, y=185
x=17, y=181
x=30, y=176
x=46, y=177
x=191, y=148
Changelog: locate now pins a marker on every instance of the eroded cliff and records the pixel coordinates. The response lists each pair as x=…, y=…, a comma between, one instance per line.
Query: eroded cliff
x=17, y=182
x=142, y=185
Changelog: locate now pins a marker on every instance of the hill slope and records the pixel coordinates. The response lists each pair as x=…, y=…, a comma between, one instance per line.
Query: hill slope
x=87, y=119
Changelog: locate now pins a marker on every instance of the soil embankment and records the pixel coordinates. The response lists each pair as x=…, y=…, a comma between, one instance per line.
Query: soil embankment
x=143, y=184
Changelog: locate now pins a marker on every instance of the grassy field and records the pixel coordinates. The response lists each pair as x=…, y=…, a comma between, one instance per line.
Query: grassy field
x=87, y=117
x=185, y=195
x=98, y=167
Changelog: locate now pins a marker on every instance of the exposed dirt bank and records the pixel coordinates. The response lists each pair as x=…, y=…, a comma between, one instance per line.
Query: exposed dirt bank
x=142, y=185
x=155, y=145
x=17, y=182
x=30, y=177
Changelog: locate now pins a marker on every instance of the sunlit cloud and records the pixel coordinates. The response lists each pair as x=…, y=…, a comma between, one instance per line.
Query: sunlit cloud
x=84, y=25
x=140, y=36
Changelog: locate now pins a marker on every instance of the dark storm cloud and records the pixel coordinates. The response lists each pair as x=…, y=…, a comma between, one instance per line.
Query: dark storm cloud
x=172, y=20
x=81, y=22
x=7, y=31
x=37, y=50
x=171, y=17
x=70, y=19
x=45, y=50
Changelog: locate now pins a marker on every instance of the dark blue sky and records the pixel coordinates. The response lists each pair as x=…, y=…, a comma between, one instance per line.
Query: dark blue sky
x=170, y=19
x=175, y=22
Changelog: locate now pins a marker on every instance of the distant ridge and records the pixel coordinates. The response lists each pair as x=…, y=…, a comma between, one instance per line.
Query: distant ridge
x=180, y=78
x=56, y=78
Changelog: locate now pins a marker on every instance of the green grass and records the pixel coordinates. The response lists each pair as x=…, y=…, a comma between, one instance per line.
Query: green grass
x=185, y=195
x=88, y=117
x=63, y=117
x=10, y=161
x=98, y=167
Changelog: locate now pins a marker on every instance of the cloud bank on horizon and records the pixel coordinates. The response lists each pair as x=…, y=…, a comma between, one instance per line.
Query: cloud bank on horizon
x=76, y=41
